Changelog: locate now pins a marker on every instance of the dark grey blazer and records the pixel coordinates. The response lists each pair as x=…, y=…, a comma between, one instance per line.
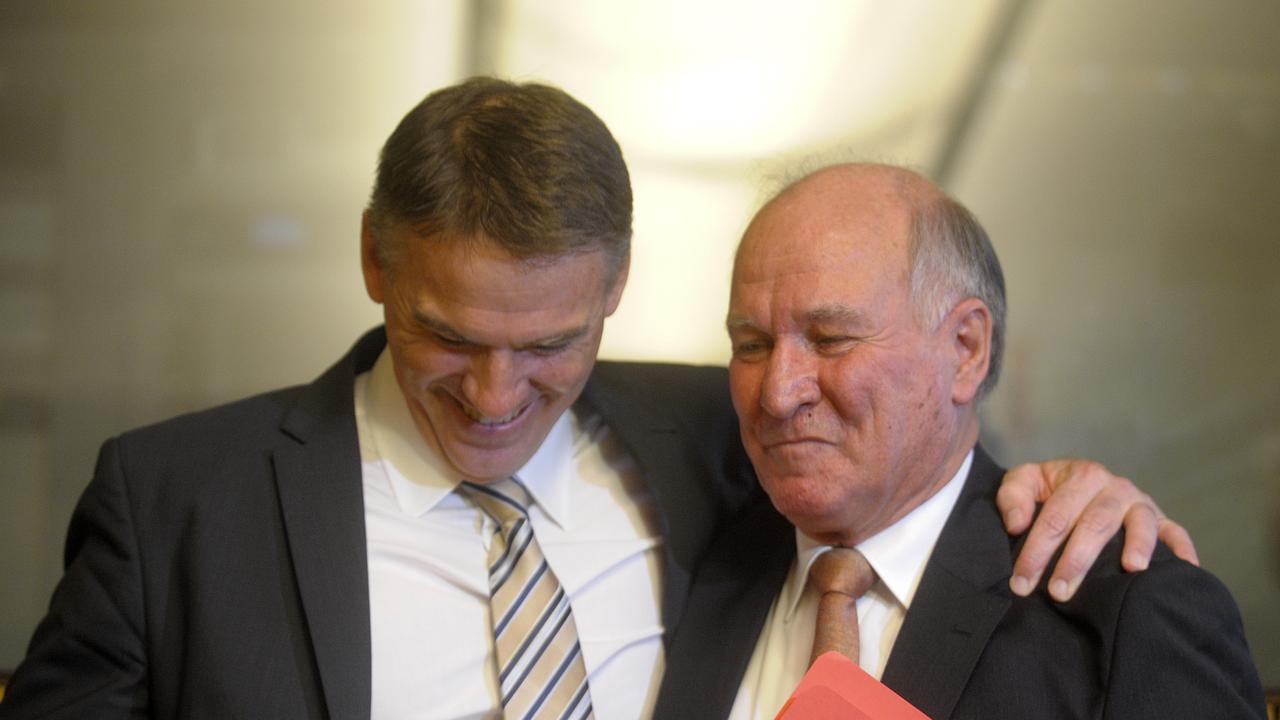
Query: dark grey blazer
x=216, y=564
x=1166, y=643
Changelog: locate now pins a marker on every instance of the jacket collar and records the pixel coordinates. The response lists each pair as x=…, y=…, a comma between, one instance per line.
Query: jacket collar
x=961, y=599
x=322, y=503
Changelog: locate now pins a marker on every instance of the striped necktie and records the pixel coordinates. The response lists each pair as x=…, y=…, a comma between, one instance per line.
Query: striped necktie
x=540, y=668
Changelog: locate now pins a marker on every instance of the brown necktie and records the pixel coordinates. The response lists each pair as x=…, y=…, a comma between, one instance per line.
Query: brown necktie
x=841, y=575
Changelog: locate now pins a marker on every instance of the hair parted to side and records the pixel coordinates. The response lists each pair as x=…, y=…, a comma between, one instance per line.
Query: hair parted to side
x=525, y=166
x=952, y=259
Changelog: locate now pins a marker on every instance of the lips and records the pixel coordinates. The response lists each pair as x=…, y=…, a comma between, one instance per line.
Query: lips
x=796, y=448
x=772, y=433
x=775, y=440
x=490, y=423
x=475, y=416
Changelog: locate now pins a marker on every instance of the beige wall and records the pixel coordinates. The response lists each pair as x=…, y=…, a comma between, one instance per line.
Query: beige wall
x=1126, y=165
x=179, y=199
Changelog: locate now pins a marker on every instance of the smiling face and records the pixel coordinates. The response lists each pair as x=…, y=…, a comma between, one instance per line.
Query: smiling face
x=845, y=400
x=489, y=350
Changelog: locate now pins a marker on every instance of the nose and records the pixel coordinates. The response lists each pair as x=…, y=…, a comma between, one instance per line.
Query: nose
x=493, y=383
x=790, y=381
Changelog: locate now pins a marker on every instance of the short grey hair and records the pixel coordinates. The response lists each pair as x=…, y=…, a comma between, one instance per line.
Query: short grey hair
x=952, y=259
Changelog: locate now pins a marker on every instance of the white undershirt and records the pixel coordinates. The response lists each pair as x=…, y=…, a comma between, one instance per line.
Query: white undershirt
x=898, y=554
x=428, y=582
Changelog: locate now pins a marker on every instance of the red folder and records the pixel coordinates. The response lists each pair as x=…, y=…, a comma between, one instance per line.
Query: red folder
x=835, y=688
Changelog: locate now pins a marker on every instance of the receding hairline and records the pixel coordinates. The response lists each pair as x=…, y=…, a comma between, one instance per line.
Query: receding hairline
x=897, y=192
x=904, y=184
x=961, y=259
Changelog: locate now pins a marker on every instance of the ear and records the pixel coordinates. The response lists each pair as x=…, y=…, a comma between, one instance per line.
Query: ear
x=620, y=282
x=968, y=328
x=369, y=265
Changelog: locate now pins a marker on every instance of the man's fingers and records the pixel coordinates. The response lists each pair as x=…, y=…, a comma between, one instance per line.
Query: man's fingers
x=1046, y=535
x=1074, y=485
x=1140, y=525
x=1084, y=501
x=1016, y=499
x=1178, y=540
x=1099, y=522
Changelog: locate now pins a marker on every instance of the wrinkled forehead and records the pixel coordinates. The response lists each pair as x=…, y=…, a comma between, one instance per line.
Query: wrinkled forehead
x=794, y=238
x=858, y=208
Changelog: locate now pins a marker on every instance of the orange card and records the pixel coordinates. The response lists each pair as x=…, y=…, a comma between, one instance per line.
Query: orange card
x=835, y=688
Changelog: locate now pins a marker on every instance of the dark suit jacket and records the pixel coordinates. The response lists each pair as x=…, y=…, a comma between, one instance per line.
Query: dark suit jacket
x=1166, y=643
x=216, y=564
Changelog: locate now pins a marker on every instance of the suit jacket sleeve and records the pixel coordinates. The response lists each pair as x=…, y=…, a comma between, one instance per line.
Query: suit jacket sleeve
x=1180, y=649
x=87, y=657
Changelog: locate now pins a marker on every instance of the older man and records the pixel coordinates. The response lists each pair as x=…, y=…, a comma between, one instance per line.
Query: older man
x=467, y=515
x=867, y=320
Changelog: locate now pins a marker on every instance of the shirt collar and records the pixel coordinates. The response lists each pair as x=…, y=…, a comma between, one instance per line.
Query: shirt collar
x=420, y=479
x=898, y=553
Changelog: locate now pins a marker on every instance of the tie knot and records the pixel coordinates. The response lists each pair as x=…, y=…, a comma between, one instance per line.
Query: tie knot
x=506, y=501
x=842, y=570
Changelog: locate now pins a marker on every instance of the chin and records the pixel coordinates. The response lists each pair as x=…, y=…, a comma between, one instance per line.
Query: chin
x=824, y=524
x=484, y=470
x=811, y=505
x=798, y=498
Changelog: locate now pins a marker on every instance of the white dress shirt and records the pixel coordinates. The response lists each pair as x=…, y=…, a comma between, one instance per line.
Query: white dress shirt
x=898, y=554
x=428, y=581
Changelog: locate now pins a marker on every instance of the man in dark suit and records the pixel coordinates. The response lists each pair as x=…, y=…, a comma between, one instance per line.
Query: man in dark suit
x=867, y=320
x=344, y=549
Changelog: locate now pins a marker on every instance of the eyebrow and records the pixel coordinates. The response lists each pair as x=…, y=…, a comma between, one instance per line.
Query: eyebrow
x=836, y=313
x=737, y=322
x=439, y=326
x=839, y=313
x=444, y=328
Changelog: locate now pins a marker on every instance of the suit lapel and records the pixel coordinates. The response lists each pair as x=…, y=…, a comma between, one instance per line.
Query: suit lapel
x=684, y=539
x=735, y=587
x=961, y=599
x=662, y=449
x=322, y=503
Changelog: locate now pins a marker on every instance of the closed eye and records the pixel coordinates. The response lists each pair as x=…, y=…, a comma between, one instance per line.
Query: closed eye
x=833, y=344
x=546, y=349
x=448, y=341
x=749, y=350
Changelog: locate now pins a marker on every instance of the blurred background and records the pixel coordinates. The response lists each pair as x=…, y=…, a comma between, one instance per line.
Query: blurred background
x=180, y=190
